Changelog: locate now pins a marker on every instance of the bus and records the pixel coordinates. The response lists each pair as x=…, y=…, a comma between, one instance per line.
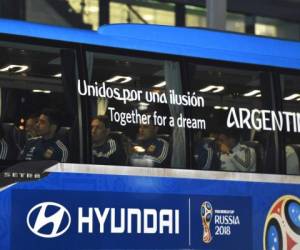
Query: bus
x=148, y=137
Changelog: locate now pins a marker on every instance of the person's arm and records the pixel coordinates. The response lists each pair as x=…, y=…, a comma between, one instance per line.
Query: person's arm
x=112, y=149
x=161, y=152
x=4, y=150
x=119, y=157
x=108, y=156
x=116, y=153
x=61, y=153
x=244, y=160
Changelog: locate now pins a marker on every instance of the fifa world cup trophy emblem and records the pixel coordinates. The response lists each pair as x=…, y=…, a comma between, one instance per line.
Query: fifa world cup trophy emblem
x=206, y=215
x=282, y=225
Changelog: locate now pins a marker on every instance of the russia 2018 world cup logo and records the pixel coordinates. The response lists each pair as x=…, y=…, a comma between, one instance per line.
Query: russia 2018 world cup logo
x=282, y=226
x=206, y=215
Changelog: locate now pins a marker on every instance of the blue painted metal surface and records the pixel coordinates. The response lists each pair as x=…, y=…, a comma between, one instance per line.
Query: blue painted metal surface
x=198, y=43
x=249, y=201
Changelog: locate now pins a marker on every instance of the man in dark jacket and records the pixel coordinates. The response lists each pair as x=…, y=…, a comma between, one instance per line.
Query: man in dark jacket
x=46, y=146
x=106, y=150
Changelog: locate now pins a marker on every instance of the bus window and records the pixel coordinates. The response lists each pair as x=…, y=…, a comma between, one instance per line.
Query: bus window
x=37, y=117
x=228, y=140
x=291, y=97
x=131, y=112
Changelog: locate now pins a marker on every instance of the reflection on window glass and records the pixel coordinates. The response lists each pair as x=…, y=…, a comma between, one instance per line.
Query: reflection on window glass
x=291, y=98
x=36, y=121
x=231, y=141
x=195, y=16
x=235, y=22
x=265, y=27
x=90, y=11
x=277, y=28
x=151, y=13
x=129, y=123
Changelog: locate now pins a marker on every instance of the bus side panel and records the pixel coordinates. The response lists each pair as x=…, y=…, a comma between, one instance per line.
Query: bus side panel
x=5, y=219
x=89, y=211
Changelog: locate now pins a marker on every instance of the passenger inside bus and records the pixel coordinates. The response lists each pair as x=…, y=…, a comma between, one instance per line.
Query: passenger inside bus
x=107, y=148
x=31, y=126
x=46, y=146
x=149, y=150
x=234, y=155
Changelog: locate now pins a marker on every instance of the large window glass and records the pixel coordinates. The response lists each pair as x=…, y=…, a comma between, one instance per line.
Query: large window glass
x=232, y=137
x=131, y=112
x=38, y=111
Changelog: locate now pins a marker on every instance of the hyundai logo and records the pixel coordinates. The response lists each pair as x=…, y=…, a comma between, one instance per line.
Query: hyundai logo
x=48, y=220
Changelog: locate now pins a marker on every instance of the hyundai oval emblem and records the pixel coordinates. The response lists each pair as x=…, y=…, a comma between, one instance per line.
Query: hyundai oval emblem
x=57, y=223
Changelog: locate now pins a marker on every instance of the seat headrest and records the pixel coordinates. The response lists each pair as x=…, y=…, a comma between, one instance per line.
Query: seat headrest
x=164, y=136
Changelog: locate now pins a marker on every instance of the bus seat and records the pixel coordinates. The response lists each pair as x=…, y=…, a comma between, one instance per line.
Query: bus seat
x=211, y=142
x=20, y=138
x=208, y=140
x=10, y=135
x=164, y=136
x=293, y=163
x=116, y=133
x=124, y=140
x=259, y=151
x=64, y=134
x=8, y=129
x=199, y=153
x=296, y=147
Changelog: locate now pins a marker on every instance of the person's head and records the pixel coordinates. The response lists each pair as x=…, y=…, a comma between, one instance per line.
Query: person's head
x=48, y=123
x=99, y=129
x=228, y=137
x=31, y=126
x=147, y=131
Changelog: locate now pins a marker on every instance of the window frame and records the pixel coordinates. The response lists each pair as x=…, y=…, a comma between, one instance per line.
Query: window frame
x=58, y=45
x=81, y=49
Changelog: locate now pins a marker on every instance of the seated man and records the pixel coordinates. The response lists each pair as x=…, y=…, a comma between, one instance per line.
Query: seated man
x=31, y=127
x=234, y=156
x=46, y=146
x=149, y=150
x=106, y=150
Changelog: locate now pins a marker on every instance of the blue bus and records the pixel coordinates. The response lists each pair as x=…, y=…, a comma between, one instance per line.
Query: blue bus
x=148, y=137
